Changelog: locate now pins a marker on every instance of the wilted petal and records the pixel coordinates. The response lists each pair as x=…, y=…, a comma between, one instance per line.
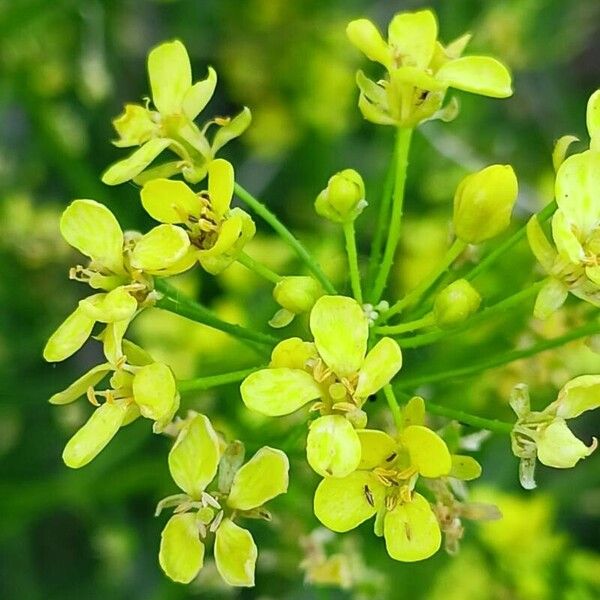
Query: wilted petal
x=170, y=76
x=235, y=554
x=413, y=37
x=411, y=531
x=91, y=228
x=80, y=387
x=170, y=201
x=135, y=163
x=428, y=451
x=69, y=337
x=160, y=248
x=342, y=504
x=477, y=74
x=194, y=458
x=377, y=448
x=280, y=391
x=263, y=477
x=181, y=554
x=557, y=446
x=232, y=130
x=94, y=435
x=340, y=329
x=382, y=362
x=332, y=446
x=154, y=391
x=220, y=185
x=199, y=95
x=577, y=396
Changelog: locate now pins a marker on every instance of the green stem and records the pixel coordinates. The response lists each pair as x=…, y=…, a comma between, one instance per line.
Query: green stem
x=350, y=236
x=502, y=359
x=469, y=419
x=425, y=321
x=259, y=268
x=210, y=381
x=402, y=148
x=514, y=301
x=394, y=406
x=262, y=211
x=173, y=301
x=493, y=256
x=451, y=255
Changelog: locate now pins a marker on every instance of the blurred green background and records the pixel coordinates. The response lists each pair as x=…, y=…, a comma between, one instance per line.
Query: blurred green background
x=66, y=68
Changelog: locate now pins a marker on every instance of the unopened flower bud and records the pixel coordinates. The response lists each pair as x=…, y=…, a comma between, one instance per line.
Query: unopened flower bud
x=455, y=303
x=483, y=203
x=344, y=197
x=297, y=293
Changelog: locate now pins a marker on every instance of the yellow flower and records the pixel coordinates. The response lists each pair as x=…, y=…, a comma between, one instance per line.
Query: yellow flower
x=335, y=370
x=217, y=233
x=420, y=70
x=383, y=485
x=171, y=126
x=194, y=461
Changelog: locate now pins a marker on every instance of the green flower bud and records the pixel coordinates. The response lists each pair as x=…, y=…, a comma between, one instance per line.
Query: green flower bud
x=455, y=303
x=483, y=203
x=297, y=294
x=344, y=197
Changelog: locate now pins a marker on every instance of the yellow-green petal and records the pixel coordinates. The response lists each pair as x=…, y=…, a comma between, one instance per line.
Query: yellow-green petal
x=539, y=244
x=428, y=451
x=79, y=387
x=194, y=458
x=340, y=329
x=413, y=36
x=116, y=305
x=414, y=412
x=366, y=37
x=332, y=446
x=135, y=163
x=170, y=76
x=160, y=248
x=94, y=435
x=593, y=120
x=220, y=185
x=411, y=531
x=69, y=337
x=232, y=130
x=112, y=340
x=577, y=396
x=293, y=353
x=263, y=477
x=382, y=362
x=235, y=554
x=566, y=239
x=279, y=391
x=181, y=554
x=134, y=126
x=92, y=229
x=154, y=391
x=170, y=201
x=377, y=448
x=558, y=447
x=342, y=504
x=199, y=95
x=465, y=467
x=550, y=298
x=477, y=74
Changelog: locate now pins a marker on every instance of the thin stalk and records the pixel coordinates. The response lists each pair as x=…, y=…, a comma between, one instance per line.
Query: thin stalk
x=469, y=419
x=258, y=268
x=425, y=321
x=401, y=158
x=514, y=301
x=394, y=406
x=502, y=359
x=494, y=255
x=175, y=302
x=350, y=236
x=262, y=211
x=211, y=381
x=451, y=255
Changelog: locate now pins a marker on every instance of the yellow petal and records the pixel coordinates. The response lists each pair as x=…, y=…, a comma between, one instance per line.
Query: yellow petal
x=366, y=37
x=428, y=451
x=557, y=446
x=411, y=531
x=232, y=130
x=539, y=244
x=550, y=298
x=194, y=458
x=381, y=364
x=560, y=150
x=116, y=305
x=280, y=391
x=413, y=36
x=235, y=554
x=593, y=120
x=69, y=337
x=263, y=477
x=377, y=448
x=181, y=554
x=170, y=76
x=94, y=231
x=134, y=126
x=154, y=391
x=340, y=329
x=160, y=248
x=342, y=504
x=414, y=412
x=199, y=95
x=95, y=434
x=566, y=238
x=332, y=446
x=465, y=467
x=170, y=201
x=577, y=396
x=292, y=353
x=477, y=74
x=220, y=185
x=79, y=387
x=112, y=340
